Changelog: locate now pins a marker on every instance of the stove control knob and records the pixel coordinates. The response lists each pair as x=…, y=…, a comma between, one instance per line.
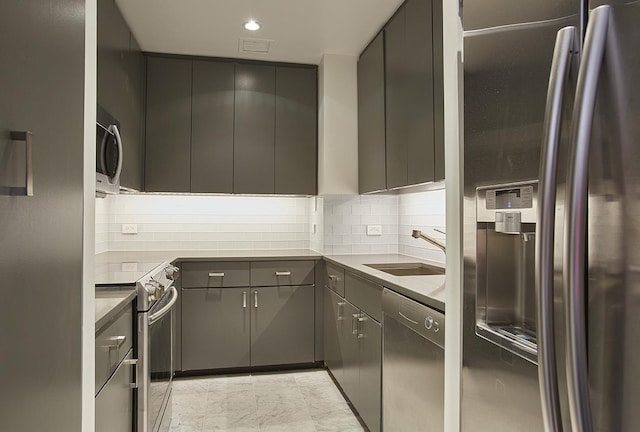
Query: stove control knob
x=428, y=322
x=171, y=272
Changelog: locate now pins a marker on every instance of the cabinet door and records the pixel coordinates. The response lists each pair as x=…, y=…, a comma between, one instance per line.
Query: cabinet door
x=114, y=403
x=282, y=325
x=371, y=114
x=369, y=400
x=396, y=90
x=419, y=107
x=334, y=319
x=132, y=123
x=296, y=130
x=215, y=328
x=212, y=127
x=349, y=346
x=119, y=86
x=254, y=129
x=438, y=92
x=168, y=127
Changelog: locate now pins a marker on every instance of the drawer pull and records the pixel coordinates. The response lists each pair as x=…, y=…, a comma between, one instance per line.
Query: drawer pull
x=255, y=299
x=116, y=342
x=216, y=274
x=283, y=273
x=340, y=306
x=244, y=299
x=134, y=363
x=354, y=325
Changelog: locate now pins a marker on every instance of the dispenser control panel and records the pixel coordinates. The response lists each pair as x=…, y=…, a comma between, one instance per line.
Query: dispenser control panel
x=511, y=198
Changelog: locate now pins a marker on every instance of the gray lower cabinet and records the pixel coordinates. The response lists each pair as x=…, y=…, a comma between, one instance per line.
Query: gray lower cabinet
x=353, y=354
x=371, y=117
x=254, y=129
x=282, y=325
x=215, y=328
x=114, y=403
x=168, y=127
x=333, y=323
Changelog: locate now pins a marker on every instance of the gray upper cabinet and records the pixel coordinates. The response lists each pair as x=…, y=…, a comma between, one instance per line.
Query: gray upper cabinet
x=254, y=129
x=121, y=86
x=401, y=101
x=396, y=96
x=296, y=130
x=409, y=95
x=212, y=127
x=438, y=92
x=168, y=126
x=420, y=97
x=371, y=118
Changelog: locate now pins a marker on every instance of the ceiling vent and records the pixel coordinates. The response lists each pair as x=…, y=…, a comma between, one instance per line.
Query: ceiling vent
x=254, y=45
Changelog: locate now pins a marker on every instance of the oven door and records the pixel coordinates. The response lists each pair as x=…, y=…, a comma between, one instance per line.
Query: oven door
x=156, y=347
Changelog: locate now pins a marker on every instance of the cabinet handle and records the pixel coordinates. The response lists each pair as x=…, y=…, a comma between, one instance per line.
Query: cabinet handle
x=340, y=306
x=116, y=342
x=255, y=299
x=218, y=274
x=283, y=273
x=361, y=319
x=244, y=299
x=134, y=363
x=354, y=325
x=27, y=190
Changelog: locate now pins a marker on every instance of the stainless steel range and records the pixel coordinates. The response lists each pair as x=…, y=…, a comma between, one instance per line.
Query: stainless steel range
x=157, y=296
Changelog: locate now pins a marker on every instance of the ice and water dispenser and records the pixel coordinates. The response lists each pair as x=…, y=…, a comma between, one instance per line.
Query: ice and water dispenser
x=505, y=264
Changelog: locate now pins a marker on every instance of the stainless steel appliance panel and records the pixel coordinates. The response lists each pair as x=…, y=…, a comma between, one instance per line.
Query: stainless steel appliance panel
x=508, y=48
x=42, y=82
x=613, y=225
x=413, y=366
x=155, y=361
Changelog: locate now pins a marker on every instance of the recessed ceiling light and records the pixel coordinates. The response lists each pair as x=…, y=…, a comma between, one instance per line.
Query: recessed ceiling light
x=252, y=25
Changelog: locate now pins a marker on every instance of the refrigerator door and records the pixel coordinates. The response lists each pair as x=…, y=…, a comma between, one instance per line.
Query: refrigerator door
x=612, y=279
x=41, y=91
x=508, y=50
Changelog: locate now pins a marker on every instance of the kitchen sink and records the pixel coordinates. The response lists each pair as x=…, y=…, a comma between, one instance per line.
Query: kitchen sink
x=408, y=269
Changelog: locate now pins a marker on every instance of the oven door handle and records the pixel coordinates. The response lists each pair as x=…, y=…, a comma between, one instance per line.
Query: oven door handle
x=166, y=308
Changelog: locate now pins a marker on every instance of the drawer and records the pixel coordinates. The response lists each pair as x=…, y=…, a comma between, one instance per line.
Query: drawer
x=334, y=278
x=215, y=274
x=114, y=403
x=112, y=344
x=279, y=273
x=364, y=294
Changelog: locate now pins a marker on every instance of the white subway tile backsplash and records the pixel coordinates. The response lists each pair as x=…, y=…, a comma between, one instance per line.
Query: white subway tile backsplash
x=169, y=222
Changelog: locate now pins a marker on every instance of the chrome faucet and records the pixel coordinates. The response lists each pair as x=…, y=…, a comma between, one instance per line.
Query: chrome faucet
x=435, y=242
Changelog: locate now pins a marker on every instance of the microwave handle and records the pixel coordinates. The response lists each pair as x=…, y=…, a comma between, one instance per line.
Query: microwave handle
x=116, y=133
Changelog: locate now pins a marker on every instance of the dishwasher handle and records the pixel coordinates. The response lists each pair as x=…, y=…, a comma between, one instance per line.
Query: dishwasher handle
x=425, y=321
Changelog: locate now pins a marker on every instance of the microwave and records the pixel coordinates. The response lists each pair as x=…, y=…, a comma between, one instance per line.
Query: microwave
x=108, y=153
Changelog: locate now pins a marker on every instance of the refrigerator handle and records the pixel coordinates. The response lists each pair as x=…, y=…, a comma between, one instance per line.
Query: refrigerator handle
x=565, y=49
x=576, y=219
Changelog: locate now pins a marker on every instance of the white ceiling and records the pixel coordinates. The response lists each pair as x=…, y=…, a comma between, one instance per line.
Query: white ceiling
x=301, y=30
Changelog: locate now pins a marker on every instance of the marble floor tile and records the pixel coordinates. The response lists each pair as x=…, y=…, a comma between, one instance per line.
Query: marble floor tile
x=301, y=401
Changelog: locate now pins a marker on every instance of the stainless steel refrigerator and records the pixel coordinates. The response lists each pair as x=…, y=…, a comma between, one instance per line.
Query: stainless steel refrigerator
x=41, y=206
x=551, y=300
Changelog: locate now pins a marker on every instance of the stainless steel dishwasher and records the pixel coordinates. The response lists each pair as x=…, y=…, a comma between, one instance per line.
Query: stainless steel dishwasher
x=412, y=366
